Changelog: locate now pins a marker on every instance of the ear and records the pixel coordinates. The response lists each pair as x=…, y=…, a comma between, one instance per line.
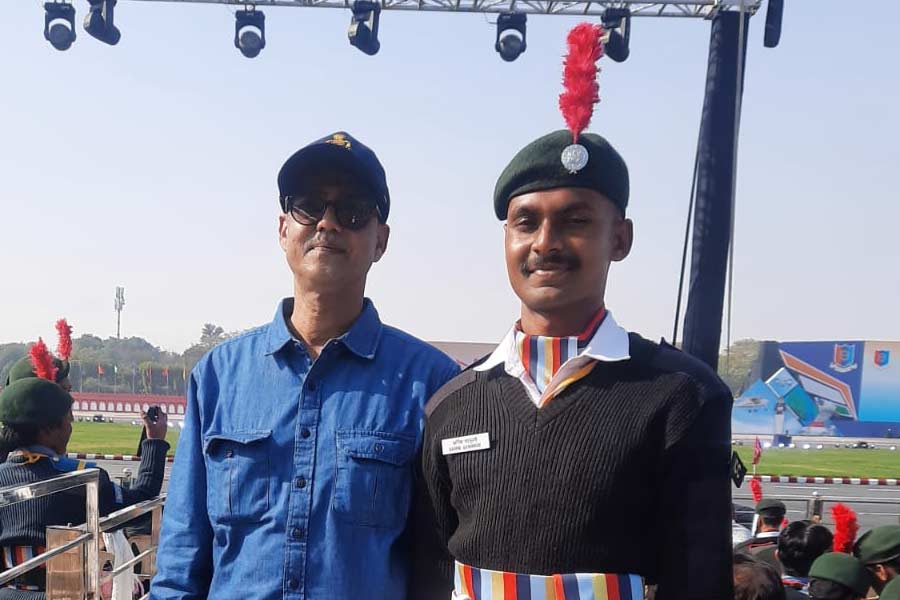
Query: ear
x=381, y=242
x=623, y=238
x=282, y=231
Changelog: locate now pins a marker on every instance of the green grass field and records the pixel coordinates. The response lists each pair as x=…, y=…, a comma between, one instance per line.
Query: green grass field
x=111, y=438
x=834, y=462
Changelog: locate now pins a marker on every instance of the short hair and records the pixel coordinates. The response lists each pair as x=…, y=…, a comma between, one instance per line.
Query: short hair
x=801, y=543
x=756, y=580
x=824, y=589
x=772, y=520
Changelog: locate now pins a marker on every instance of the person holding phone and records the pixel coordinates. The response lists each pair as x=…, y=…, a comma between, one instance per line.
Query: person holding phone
x=35, y=428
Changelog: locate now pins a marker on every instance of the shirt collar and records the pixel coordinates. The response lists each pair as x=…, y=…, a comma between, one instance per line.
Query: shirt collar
x=609, y=344
x=38, y=449
x=768, y=534
x=362, y=338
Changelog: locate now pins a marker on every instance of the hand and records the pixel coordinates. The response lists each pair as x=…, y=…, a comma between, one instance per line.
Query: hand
x=156, y=431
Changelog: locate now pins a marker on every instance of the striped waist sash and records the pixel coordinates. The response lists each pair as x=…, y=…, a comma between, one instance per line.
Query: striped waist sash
x=482, y=584
x=16, y=555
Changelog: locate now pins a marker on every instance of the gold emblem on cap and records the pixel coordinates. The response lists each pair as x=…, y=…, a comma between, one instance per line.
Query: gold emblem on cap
x=339, y=139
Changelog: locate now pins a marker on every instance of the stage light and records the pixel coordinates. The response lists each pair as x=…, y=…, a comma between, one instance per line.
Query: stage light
x=510, y=41
x=99, y=22
x=249, y=32
x=617, y=23
x=59, y=25
x=774, y=13
x=363, y=32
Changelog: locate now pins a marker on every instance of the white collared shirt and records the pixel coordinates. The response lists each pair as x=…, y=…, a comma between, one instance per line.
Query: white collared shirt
x=609, y=344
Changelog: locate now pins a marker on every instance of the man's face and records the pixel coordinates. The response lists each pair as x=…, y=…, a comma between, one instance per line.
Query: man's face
x=326, y=256
x=66, y=384
x=559, y=245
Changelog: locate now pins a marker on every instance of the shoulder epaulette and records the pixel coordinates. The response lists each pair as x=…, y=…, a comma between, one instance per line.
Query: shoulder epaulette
x=64, y=464
x=458, y=382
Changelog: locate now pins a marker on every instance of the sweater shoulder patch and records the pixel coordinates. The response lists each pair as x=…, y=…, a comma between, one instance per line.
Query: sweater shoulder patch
x=64, y=464
x=457, y=383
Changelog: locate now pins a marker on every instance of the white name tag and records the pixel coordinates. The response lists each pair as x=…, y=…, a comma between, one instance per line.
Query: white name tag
x=466, y=443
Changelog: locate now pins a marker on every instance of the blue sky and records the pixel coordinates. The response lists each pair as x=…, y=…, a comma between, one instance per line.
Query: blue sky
x=152, y=165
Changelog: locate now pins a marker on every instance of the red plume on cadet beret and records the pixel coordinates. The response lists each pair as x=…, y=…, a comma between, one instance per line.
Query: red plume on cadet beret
x=581, y=91
x=845, y=528
x=64, y=349
x=42, y=361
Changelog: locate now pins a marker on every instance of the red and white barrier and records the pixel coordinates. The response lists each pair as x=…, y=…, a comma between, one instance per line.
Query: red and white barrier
x=829, y=480
x=125, y=457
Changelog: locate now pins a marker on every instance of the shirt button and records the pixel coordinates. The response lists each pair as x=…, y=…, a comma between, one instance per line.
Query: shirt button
x=379, y=447
x=229, y=453
x=305, y=433
x=297, y=533
x=301, y=482
x=293, y=584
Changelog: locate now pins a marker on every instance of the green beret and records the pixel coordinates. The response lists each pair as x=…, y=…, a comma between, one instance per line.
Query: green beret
x=23, y=368
x=538, y=166
x=843, y=569
x=34, y=401
x=879, y=545
x=892, y=590
x=771, y=507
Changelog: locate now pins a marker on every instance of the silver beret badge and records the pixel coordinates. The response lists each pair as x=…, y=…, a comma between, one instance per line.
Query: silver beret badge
x=574, y=158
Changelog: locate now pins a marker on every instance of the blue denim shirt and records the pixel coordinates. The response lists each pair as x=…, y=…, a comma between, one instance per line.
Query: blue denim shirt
x=293, y=476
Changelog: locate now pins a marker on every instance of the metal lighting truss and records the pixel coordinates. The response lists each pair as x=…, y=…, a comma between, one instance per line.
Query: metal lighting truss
x=686, y=9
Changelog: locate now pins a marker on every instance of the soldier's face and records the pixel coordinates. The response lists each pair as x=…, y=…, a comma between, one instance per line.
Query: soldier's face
x=559, y=246
x=325, y=256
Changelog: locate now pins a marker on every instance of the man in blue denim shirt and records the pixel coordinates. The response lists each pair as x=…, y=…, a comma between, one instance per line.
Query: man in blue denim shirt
x=293, y=474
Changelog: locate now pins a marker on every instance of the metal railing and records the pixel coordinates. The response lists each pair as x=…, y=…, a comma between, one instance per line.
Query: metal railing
x=87, y=535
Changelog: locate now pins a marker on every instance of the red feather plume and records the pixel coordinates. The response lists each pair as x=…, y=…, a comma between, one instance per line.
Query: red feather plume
x=64, y=349
x=756, y=489
x=580, y=89
x=845, y=528
x=42, y=361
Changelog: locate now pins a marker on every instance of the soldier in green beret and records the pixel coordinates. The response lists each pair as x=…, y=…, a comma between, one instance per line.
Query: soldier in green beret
x=23, y=368
x=770, y=515
x=35, y=427
x=838, y=576
x=578, y=460
x=879, y=550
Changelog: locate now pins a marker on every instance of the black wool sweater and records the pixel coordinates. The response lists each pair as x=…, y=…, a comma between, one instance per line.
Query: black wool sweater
x=626, y=471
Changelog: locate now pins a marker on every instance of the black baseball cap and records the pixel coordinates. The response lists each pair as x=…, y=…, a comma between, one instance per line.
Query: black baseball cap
x=340, y=150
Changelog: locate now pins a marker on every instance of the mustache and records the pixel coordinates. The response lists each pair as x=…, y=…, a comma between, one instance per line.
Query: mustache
x=323, y=240
x=568, y=262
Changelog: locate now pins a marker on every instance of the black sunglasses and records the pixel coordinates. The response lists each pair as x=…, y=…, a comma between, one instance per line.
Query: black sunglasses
x=352, y=213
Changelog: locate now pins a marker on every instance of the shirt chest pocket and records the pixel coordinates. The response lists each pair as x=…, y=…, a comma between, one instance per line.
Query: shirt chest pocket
x=237, y=471
x=373, y=479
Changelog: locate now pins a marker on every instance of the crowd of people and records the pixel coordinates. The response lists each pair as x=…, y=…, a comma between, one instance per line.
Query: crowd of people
x=805, y=559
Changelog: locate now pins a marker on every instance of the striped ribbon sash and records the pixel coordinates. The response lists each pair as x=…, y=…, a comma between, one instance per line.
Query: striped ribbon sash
x=482, y=584
x=16, y=555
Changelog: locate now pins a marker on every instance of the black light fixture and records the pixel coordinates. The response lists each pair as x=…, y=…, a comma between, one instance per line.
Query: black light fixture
x=510, y=41
x=363, y=32
x=249, y=32
x=99, y=22
x=774, y=14
x=59, y=25
x=617, y=23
